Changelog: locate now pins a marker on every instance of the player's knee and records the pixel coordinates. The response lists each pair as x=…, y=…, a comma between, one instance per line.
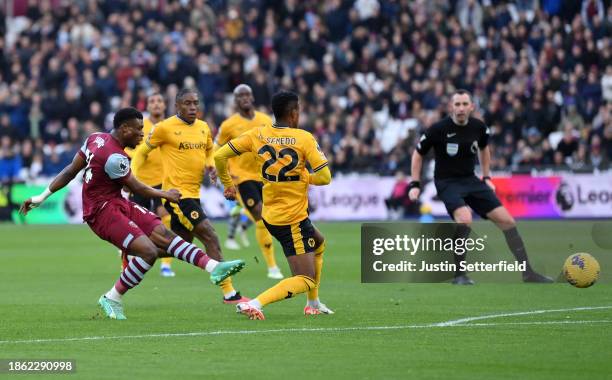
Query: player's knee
x=463, y=217
x=147, y=251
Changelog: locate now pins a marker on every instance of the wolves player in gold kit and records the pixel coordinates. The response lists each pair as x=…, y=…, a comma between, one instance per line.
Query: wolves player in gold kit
x=245, y=169
x=151, y=173
x=285, y=150
x=186, y=147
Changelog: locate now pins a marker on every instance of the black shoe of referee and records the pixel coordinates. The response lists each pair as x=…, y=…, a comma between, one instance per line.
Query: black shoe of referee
x=534, y=277
x=462, y=279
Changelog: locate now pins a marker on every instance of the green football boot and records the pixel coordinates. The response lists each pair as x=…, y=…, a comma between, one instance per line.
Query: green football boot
x=225, y=269
x=112, y=309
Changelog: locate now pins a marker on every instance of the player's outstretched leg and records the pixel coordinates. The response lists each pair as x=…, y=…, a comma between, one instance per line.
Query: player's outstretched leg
x=192, y=254
x=145, y=254
x=502, y=218
x=303, y=280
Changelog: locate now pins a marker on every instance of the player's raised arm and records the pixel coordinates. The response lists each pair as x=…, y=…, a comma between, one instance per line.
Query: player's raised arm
x=62, y=179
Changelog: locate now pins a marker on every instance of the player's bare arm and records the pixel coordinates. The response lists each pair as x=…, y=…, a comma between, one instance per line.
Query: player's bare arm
x=140, y=188
x=415, y=167
x=220, y=157
x=484, y=156
x=62, y=179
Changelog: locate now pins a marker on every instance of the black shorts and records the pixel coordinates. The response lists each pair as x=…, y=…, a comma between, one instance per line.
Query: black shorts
x=150, y=204
x=470, y=191
x=250, y=194
x=185, y=214
x=296, y=239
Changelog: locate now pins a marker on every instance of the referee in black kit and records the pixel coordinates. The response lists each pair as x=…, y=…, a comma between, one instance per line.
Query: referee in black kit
x=456, y=140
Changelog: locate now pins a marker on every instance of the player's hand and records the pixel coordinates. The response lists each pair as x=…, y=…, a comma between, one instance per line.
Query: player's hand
x=414, y=190
x=212, y=172
x=28, y=205
x=173, y=195
x=230, y=193
x=489, y=183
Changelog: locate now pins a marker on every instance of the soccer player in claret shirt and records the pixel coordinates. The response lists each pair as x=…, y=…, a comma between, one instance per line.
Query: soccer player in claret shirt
x=152, y=174
x=186, y=147
x=457, y=140
x=123, y=223
x=285, y=150
x=245, y=169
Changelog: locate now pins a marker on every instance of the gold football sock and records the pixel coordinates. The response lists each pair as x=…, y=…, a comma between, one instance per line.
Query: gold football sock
x=264, y=239
x=313, y=293
x=287, y=288
x=166, y=261
x=166, y=221
x=227, y=287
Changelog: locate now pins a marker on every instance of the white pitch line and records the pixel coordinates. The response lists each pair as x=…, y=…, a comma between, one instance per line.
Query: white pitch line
x=531, y=312
x=452, y=323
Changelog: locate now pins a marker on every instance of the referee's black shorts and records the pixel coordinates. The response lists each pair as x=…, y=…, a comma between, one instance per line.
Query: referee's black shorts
x=470, y=191
x=151, y=204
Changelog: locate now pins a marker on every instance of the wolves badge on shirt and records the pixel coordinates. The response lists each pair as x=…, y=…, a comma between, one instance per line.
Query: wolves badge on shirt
x=452, y=149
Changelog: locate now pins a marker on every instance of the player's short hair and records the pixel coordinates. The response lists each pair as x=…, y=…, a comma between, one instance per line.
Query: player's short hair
x=154, y=93
x=184, y=91
x=124, y=115
x=462, y=92
x=241, y=87
x=283, y=102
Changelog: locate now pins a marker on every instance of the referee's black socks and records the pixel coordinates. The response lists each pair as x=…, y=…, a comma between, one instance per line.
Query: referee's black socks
x=516, y=245
x=462, y=231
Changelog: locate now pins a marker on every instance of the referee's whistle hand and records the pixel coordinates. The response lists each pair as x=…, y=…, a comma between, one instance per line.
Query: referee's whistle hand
x=414, y=194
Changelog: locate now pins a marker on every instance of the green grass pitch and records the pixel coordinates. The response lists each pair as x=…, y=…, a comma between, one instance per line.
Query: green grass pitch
x=51, y=278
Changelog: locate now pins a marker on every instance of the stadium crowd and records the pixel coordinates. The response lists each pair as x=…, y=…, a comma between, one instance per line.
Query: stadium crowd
x=371, y=74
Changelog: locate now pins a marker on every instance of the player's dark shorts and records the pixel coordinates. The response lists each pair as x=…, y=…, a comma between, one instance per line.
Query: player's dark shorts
x=120, y=222
x=185, y=215
x=297, y=238
x=151, y=204
x=250, y=193
x=470, y=191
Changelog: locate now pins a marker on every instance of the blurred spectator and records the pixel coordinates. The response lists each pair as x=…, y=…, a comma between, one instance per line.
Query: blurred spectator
x=568, y=144
x=399, y=202
x=372, y=75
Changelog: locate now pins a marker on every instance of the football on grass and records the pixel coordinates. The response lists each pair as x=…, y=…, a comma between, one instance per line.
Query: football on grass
x=581, y=270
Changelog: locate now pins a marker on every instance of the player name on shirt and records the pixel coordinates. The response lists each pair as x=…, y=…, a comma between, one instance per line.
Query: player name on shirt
x=281, y=140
